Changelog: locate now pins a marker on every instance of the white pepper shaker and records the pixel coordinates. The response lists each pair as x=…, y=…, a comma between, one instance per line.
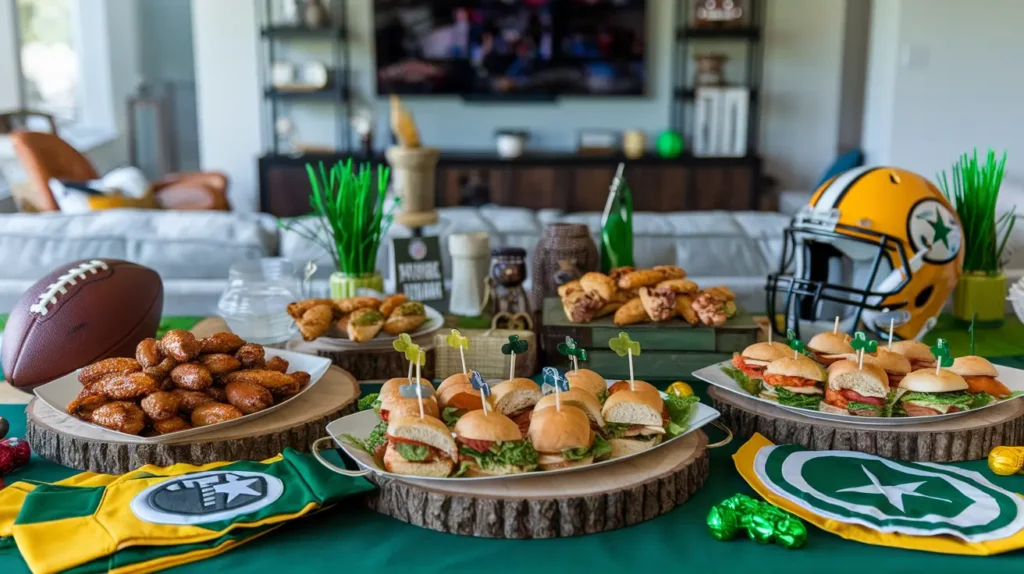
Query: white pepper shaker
x=470, y=265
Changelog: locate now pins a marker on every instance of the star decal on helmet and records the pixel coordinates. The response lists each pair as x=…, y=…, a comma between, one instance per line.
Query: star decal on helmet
x=933, y=228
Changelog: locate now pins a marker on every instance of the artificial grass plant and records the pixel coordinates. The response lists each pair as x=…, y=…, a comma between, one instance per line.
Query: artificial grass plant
x=348, y=219
x=974, y=192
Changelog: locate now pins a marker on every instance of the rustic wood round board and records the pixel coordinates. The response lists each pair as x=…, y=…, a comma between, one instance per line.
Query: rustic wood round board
x=569, y=504
x=967, y=437
x=70, y=442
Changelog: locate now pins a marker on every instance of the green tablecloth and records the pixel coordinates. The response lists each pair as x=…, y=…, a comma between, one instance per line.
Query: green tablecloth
x=350, y=538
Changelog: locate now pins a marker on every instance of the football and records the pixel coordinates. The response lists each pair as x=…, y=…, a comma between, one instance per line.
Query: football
x=79, y=313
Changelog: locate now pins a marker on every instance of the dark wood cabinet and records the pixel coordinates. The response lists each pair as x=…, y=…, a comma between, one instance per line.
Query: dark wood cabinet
x=567, y=182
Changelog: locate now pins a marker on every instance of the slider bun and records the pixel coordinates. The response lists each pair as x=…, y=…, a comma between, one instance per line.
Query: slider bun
x=798, y=367
x=456, y=379
x=578, y=398
x=926, y=381
x=390, y=388
x=401, y=406
x=394, y=462
x=587, y=380
x=973, y=366
x=553, y=431
x=829, y=343
x=458, y=394
x=913, y=350
x=495, y=470
x=492, y=426
x=640, y=386
x=628, y=446
x=767, y=351
x=515, y=395
x=871, y=381
x=890, y=361
x=633, y=407
x=429, y=431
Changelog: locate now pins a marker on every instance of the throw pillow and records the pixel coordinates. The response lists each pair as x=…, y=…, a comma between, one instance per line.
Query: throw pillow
x=845, y=162
x=121, y=187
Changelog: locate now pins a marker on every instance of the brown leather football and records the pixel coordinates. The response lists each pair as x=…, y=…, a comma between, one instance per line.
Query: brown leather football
x=80, y=313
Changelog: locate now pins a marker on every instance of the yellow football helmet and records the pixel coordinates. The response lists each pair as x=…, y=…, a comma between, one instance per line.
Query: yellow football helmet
x=875, y=244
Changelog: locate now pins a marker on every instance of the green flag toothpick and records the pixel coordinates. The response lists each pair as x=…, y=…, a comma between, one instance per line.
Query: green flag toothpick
x=575, y=353
x=861, y=343
x=626, y=347
x=942, y=356
x=457, y=341
x=514, y=345
x=794, y=343
x=970, y=330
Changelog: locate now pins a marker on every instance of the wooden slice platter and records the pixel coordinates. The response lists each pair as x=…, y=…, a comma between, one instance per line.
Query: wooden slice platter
x=969, y=437
x=70, y=442
x=570, y=504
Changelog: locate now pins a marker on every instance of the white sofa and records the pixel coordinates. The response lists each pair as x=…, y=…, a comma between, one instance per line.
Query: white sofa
x=193, y=251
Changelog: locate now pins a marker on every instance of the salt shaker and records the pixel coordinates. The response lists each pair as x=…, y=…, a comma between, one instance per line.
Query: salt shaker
x=470, y=252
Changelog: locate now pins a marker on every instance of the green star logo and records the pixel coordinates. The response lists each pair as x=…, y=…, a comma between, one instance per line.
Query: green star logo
x=940, y=229
x=932, y=228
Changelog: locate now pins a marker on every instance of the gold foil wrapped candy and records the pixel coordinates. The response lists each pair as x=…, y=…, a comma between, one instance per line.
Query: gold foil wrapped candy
x=1006, y=460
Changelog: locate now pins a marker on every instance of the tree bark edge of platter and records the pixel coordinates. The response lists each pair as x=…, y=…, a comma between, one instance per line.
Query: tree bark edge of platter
x=969, y=441
x=548, y=516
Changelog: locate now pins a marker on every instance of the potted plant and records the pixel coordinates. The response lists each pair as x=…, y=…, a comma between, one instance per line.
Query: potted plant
x=349, y=222
x=981, y=291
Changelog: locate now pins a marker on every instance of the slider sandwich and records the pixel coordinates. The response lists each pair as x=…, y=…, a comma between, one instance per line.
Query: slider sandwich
x=589, y=381
x=980, y=375
x=456, y=397
x=927, y=393
x=829, y=347
x=856, y=391
x=895, y=365
x=390, y=401
x=491, y=444
x=793, y=382
x=580, y=399
x=640, y=386
x=919, y=354
x=755, y=358
x=419, y=447
x=563, y=438
x=516, y=399
x=634, y=421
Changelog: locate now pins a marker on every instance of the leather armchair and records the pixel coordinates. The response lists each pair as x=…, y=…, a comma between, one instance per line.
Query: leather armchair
x=44, y=156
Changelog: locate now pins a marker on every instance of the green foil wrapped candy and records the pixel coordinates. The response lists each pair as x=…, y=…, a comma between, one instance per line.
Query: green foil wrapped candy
x=762, y=522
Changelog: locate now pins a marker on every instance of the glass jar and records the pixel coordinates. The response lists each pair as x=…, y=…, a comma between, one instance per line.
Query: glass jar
x=258, y=293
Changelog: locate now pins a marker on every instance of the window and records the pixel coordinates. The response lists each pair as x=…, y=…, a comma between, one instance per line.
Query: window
x=50, y=63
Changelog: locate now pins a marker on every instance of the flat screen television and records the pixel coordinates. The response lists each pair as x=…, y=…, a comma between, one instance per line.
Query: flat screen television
x=510, y=48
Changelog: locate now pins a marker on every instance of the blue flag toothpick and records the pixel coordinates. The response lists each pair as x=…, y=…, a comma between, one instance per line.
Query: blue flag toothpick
x=481, y=385
x=415, y=390
x=558, y=381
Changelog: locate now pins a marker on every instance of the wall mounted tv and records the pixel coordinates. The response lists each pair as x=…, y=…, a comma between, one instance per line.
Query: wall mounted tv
x=511, y=48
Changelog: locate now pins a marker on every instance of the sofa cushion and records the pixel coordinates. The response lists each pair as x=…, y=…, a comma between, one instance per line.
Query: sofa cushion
x=178, y=245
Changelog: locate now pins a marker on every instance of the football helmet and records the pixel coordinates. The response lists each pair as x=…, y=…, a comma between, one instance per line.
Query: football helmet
x=874, y=245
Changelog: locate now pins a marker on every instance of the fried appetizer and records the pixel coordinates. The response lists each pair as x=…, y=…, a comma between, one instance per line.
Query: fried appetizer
x=315, y=321
x=640, y=278
x=181, y=346
x=277, y=383
x=226, y=343
x=277, y=364
x=189, y=400
x=125, y=387
x=670, y=271
x=251, y=356
x=162, y=371
x=120, y=416
x=710, y=309
x=659, y=303
x=617, y=273
x=364, y=324
x=192, y=377
x=600, y=284
x=213, y=413
x=148, y=353
x=632, y=312
x=392, y=303
x=248, y=397
x=346, y=306
x=678, y=286
x=218, y=394
x=85, y=403
x=114, y=366
x=221, y=363
x=566, y=288
x=298, y=308
x=173, y=424
x=684, y=308
x=581, y=306
x=161, y=405
x=406, y=318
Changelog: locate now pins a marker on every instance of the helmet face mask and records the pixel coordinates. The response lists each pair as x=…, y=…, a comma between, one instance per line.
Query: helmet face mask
x=825, y=274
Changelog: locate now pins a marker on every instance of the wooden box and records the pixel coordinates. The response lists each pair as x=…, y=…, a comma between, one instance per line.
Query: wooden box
x=671, y=350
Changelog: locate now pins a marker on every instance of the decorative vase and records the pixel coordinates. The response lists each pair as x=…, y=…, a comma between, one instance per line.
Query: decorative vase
x=469, y=272
x=316, y=15
x=565, y=252
x=414, y=171
x=633, y=144
x=617, y=225
x=344, y=285
x=982, y=294
x=670, y=144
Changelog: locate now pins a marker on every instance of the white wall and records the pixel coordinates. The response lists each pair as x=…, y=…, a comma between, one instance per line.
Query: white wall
x=9, y=97
x=228, y=93
x=946, y=78
x=802, y=87
x=800, y=98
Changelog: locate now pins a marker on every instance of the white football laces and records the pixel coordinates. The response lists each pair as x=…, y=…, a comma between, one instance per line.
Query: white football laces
x=60, y=286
